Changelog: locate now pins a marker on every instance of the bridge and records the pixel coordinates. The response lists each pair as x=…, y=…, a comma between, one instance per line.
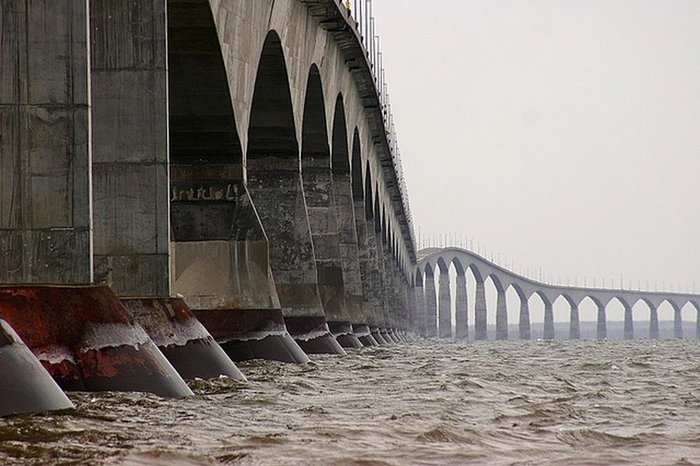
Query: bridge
x=194, y=180
x=434, y=307
x=189, y=183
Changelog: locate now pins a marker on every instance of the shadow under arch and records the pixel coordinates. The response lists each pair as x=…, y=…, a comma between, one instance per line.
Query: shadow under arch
x=274, y=183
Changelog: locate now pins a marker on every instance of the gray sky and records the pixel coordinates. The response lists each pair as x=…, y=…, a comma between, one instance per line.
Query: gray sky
x=559, y=134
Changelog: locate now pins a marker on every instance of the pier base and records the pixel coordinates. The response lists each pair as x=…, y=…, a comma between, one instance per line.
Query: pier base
x=252, y=334
x=313, y=335
x=87, y=341
x=343, y=333
x=26, y=386
x=182, y=338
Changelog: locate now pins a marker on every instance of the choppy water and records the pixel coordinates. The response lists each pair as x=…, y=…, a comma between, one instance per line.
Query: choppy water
x=563, y=403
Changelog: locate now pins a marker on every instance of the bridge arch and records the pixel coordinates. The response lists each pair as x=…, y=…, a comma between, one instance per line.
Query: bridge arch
x=274, y=182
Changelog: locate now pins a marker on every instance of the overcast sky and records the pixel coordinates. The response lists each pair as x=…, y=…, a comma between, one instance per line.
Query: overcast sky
x=559, y=134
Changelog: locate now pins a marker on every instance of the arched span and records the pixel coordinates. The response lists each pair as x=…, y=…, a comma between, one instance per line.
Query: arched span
x=274, y=183
x=314, y=139
x=459, y=268
x=443, y=266
x=271, y=132
x=418, y=281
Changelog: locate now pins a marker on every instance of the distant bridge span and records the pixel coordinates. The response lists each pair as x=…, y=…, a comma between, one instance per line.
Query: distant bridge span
x=434, y=317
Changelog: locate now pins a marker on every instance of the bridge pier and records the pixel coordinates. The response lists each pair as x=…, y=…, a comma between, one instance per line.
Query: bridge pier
x=501, y=316
x=445, y=305
x=480, y=324
x=574, y=324
x=653, y=322
x=677, y=322
x=524, y=322
x=548, y=333
x=629, y=322
x=601, y=328
x=462, y=308
x=430, y=305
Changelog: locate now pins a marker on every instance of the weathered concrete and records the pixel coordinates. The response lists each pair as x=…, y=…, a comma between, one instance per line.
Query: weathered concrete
x=653, y=323
x=601, y=327
x=548, y=333
x=45, y=198
x=129, y=85
x=629, y=322
x=420, y=322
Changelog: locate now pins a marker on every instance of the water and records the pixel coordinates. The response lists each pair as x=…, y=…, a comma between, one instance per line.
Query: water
x=568, y=402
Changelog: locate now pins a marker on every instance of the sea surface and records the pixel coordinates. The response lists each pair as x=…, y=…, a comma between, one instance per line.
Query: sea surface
x=512, y=402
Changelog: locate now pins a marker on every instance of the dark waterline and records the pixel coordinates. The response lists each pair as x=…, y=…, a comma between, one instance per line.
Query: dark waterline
x=569, y=402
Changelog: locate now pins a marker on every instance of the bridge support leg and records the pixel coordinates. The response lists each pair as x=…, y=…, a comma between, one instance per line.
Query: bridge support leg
x=677, y=322
x=480, y=326
x=445, y=306
x=524, y=324
x=601, y=329
x=653, y=323
x=574, y=325
x=420, y=309
x=430, y=307
x=697, y=324
x=501, y=316
x=548, y=333
x=462, y=308
x=629, y=323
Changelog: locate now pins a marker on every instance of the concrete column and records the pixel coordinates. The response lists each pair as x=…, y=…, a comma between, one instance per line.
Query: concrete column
x=367, y=266
x=420, y=309
x=574, y=325
x=548, y=333
x=501, y=316
x=275, y=187
x=629, y=323
x=430, y=307
x=677, y=322
x=462, y=308
x=379, y=285
x=45, y=151
x=602, y=328
x=653, y=323
x=480, y=325
x=445, y=308
x=413, y=311
x=524, y=324
x=129, y=85
x=319, y=193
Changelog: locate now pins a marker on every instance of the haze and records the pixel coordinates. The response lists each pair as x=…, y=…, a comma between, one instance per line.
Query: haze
x=557, y=134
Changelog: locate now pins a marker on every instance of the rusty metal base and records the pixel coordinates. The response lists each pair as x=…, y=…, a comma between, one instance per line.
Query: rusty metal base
x=26, y=387
x=86, y=339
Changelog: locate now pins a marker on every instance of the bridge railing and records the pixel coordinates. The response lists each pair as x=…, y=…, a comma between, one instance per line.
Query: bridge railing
x=361, y=11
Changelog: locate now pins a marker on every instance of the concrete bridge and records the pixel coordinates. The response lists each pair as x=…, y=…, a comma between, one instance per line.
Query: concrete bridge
x=434, y=316
x=229, y=163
